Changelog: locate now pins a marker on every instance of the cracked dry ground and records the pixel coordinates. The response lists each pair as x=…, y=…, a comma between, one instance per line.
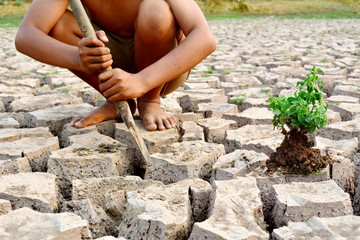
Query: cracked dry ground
x=204, y=178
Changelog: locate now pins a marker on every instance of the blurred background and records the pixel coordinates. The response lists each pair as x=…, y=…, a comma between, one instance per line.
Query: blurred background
x=11, y=11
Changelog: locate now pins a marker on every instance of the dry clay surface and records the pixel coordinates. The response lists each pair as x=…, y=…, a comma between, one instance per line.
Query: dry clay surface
x=206, y=179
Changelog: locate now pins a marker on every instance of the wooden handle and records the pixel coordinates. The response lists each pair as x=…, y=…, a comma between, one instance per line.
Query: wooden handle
x=122, y=107
x=82, y=19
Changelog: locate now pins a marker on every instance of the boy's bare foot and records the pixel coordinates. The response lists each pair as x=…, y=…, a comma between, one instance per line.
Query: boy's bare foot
x=154, y=117
x=107, y=111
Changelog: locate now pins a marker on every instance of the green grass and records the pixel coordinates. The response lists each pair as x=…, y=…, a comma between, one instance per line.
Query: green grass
x=10, y=21
x=49, y=73
x=237, y=101
x=209, y=71
x=12, y=13
x=63, y=89
x=265, y=90
x=318, y=9
x=339, y=15
x=324, y=60
x=225, y=73
x=224, y=16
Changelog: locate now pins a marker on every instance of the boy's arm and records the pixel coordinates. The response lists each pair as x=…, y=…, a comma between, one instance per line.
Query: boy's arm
x=199, y=43
x=33, y=40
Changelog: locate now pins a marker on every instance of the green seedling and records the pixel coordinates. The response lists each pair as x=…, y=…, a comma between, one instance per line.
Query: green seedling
x=205, y=76
x=49, y=73
x=305, y=110
x=25, y=73
x=324, y=60
x=237, y=101
x=209, y=71
x=63, y=89
x=225, y=73
x=265, y=90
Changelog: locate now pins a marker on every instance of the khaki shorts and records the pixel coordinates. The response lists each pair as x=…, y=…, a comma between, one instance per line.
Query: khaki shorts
x=122, y=51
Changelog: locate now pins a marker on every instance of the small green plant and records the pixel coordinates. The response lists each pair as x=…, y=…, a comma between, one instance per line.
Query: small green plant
x=265, y=90
x=306, y=110
x=237, y=100
x=25, y=73
x=307, y=52
x=324, y=60
x=210, y=70
x=205, y=76
x=225, y=73
x=63, y=89
x=49, y=73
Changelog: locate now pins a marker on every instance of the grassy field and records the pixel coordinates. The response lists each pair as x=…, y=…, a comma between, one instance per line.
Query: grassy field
x=287, y=9
x=11, y=12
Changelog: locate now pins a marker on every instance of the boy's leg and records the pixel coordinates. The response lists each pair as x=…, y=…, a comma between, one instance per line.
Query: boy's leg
x=67, y=31
x=156, y=34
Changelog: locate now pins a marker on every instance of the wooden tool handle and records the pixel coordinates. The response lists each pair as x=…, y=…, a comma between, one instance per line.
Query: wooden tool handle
x=87, y=30
x=122, y=107
x=82, y=19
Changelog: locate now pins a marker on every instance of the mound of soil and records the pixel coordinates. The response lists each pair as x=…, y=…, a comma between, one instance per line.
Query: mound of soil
x=296, y=155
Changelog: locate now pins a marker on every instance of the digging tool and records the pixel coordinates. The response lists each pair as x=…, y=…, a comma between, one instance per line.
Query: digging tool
x=122, y=106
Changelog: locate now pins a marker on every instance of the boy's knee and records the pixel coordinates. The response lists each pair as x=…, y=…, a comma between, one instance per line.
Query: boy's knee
x=155, y=20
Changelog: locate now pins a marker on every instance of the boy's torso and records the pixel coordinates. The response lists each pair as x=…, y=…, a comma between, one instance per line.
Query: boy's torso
x=117, y=16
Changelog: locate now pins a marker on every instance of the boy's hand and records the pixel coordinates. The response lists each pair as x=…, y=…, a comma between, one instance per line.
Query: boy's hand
x=94, y=56
x=116, y=84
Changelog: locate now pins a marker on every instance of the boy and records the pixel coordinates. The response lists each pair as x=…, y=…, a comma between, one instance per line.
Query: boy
x=151, y=45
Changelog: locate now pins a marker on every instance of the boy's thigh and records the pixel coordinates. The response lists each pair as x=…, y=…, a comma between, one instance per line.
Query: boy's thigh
x=66, y=29
x=121, y=49
x=174, y=84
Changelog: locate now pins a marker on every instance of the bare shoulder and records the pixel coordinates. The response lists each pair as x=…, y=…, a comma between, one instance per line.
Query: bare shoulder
x=44, y=14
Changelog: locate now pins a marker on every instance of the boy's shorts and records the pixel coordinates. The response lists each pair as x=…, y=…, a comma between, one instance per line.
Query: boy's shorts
x=122, y=52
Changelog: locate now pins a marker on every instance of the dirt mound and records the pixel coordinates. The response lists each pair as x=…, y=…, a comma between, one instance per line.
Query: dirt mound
x=296, y=155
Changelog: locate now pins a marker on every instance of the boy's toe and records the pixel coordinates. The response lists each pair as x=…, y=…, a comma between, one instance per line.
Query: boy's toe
x=149, y=124
x=167, y=124
x=80, y=123
x=73, y=122
x=151, y=127
x=160, y=125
